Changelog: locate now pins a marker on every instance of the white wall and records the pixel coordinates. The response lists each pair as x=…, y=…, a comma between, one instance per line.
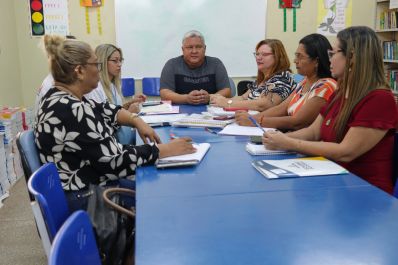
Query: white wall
x=23, y=65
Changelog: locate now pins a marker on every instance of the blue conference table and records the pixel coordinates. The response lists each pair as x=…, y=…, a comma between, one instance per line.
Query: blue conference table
x=224, y=212
x=345, y=225
x=226, y=169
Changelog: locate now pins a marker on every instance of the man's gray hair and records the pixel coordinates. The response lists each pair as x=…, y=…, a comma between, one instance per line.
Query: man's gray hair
x=193, y=33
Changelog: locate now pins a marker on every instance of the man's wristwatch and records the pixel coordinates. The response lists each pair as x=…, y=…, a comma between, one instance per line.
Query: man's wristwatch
x=229, y=102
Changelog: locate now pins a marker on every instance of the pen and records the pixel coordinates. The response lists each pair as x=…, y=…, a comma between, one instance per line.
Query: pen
x=210, y=130
x=256, y=123
x=173, y=136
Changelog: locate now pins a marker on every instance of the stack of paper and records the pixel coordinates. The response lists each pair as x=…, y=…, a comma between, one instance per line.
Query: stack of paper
x=185, y=160
x=218, y=111
x=260, y=149
x=165, y=119
x=4, y=182
x=298, y=167
x=197, y=122
x=164, y=108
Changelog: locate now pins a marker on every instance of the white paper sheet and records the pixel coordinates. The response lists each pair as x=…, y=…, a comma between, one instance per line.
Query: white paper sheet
x=235, y=129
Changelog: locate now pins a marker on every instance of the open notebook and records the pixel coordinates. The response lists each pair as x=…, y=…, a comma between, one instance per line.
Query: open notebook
x=260, y=149
x=164, y=108
x=185, y=160
x=298, y=167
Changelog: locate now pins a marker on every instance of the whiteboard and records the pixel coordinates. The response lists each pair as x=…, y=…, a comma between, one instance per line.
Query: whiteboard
x=150, y=32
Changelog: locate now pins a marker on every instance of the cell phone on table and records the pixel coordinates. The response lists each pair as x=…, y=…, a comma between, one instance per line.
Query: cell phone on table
x=256, y=139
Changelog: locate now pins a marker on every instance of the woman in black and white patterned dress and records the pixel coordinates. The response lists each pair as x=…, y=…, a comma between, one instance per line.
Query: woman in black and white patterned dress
x=77, y=134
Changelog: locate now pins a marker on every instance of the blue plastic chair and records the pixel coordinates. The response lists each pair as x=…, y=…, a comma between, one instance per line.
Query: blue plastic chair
x=75, y=242
x=298, y=78
x=29, y=154
x=128, y=87
x=30, y=163
x=151, y=86
x=45, y=185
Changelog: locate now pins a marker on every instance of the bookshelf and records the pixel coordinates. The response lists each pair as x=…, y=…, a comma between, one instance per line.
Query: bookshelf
x=386, y=27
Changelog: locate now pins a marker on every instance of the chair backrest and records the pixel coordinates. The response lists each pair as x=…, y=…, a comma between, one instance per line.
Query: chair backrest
x=232, y=86
x=45, y=185
x=128, y=87
x=298, y=78
x=75, y=242
x=243, y=86
x=395, y=165
x=29, y=154
x=151, y=86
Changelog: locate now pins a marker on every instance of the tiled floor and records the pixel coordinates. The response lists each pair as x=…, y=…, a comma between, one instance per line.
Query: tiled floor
x=19, y=241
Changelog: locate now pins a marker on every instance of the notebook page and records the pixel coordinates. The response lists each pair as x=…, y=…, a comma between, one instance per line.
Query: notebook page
x=198, y=155
x=235, y=129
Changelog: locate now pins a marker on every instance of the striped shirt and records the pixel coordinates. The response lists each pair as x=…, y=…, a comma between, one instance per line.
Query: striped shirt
x=281, y=84
x=322, y=88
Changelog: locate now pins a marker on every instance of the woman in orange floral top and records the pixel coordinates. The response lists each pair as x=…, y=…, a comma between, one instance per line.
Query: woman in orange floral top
x=302, y=106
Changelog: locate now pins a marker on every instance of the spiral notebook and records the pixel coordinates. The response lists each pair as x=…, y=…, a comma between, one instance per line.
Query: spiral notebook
x=260, y=149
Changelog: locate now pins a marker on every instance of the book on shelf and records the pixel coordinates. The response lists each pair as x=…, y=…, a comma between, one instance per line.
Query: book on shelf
x=185, y=160
x=388, y=19
x=260, y=149
x=298, y=167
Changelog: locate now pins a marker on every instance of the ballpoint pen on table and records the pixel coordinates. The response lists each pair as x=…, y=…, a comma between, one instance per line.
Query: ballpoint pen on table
x=173, y=136
x=256, y=123
x=211, y=130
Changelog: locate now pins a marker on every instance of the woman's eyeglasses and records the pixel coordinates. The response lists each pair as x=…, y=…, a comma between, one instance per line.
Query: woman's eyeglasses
x=262, y=54
x=116, y=61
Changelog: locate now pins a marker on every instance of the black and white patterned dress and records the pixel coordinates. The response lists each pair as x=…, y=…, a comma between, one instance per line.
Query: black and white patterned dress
x=281, y=84
x=78, y=137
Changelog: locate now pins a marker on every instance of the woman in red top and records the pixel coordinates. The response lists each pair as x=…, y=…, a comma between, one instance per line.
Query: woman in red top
x=356, y=128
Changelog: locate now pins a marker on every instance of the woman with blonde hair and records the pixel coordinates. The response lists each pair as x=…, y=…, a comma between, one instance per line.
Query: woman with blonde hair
x=77, y=134
x=111, y=58
x=273, y=84
x=357, y=126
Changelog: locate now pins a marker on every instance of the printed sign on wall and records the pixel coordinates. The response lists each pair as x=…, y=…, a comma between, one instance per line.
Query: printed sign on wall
x=49, y=17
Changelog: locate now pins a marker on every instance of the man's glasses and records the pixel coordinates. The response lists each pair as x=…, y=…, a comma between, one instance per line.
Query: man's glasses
x=98, y=65
x=116, y=61
x=262, y=54
x=331, y=53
